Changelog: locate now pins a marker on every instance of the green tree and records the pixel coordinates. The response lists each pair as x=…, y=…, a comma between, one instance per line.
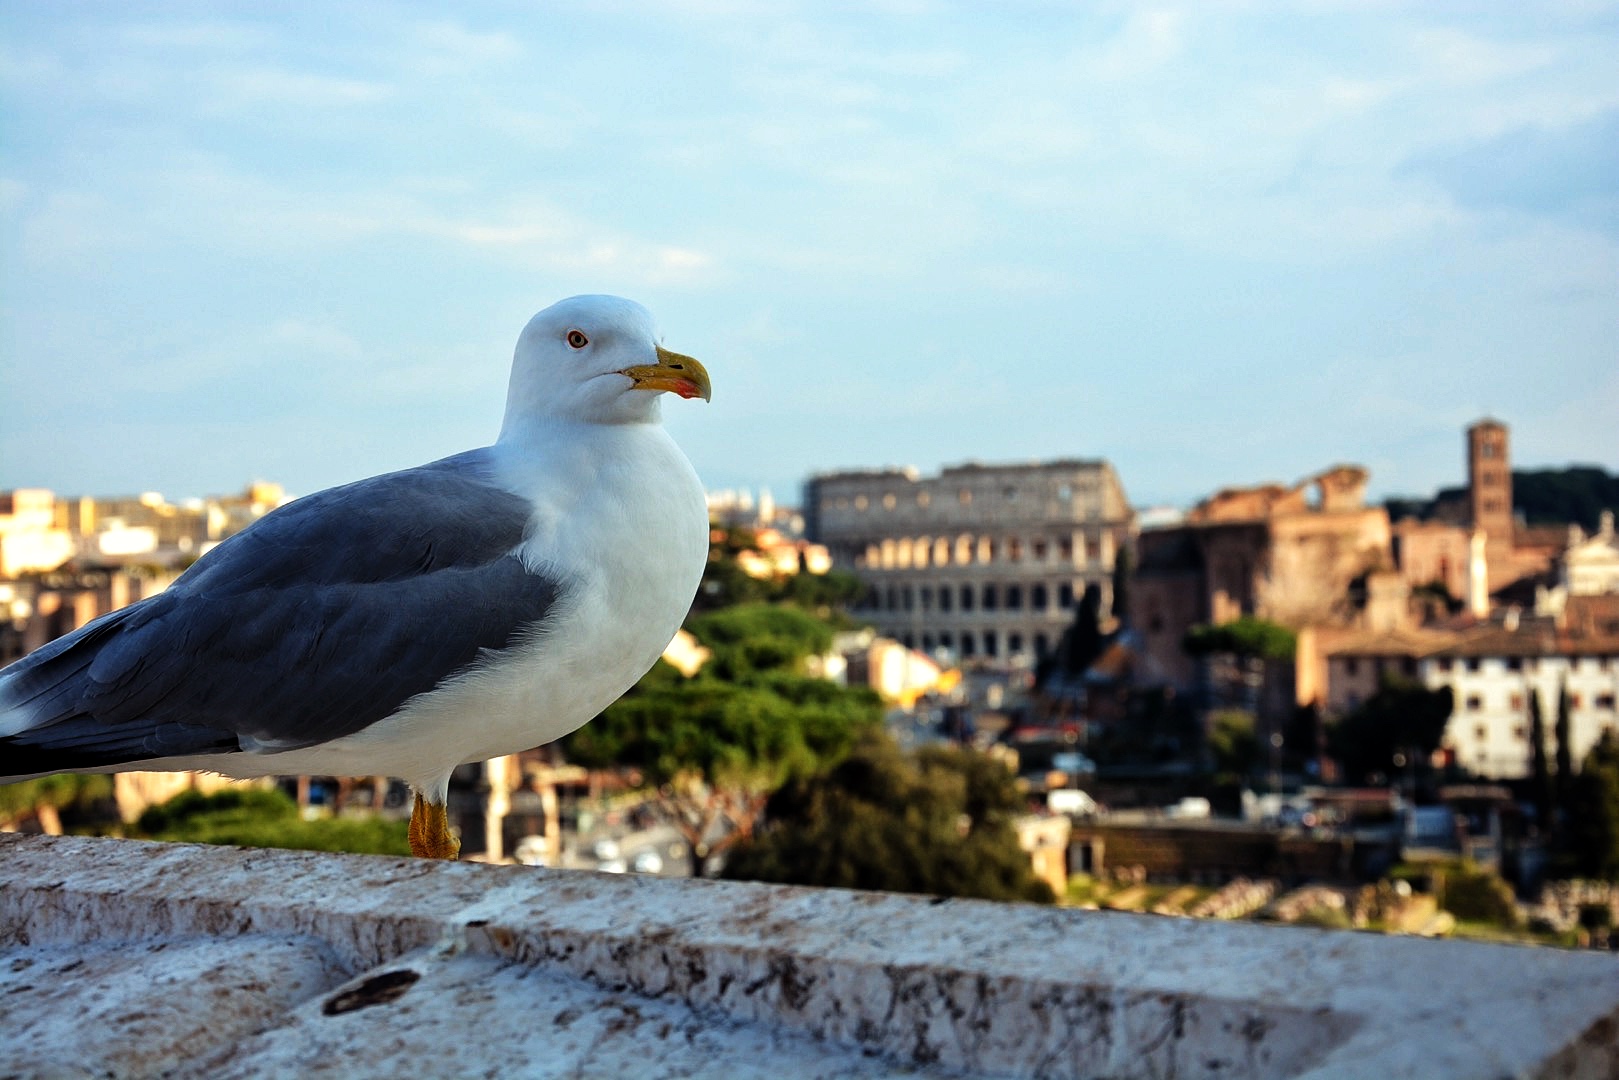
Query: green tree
x=1233, y=743
x=1539, y=772
x=258, y=817
x=939, y=822
x=1592, y=830
x=45, y=798
x=1248, y=638
x=716, y=745
x=1564, y=781
x=1403, y=718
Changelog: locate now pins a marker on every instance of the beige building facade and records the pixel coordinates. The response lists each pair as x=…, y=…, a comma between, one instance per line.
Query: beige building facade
x=981, y=561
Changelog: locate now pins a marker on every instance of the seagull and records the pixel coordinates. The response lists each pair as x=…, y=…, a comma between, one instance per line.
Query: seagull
x=415, y=621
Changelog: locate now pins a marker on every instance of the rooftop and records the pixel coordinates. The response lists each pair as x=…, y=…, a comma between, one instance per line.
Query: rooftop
x=219, y=962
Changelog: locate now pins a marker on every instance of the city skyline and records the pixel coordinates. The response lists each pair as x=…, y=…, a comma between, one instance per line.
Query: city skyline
x=1212, y=245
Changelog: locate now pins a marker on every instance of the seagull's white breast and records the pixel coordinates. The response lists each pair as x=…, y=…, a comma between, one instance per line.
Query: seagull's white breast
x=621, y=522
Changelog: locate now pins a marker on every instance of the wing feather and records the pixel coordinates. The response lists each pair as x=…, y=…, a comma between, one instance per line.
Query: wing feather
x=317, y=621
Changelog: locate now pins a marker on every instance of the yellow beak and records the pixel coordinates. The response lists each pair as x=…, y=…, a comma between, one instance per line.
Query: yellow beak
x=673, y=372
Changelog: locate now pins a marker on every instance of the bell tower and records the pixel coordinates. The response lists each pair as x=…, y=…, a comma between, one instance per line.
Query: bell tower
x=1489, y=492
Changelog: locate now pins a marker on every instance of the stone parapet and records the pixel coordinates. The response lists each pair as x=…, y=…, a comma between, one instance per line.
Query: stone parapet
x=125, y=958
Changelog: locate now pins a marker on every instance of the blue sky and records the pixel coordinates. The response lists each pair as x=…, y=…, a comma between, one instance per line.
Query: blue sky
x=1220, y=243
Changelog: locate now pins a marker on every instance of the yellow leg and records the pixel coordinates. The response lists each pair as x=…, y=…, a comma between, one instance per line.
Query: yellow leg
x=430, y=836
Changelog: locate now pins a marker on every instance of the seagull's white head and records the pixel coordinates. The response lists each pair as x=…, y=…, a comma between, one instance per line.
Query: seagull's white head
x=595, y=359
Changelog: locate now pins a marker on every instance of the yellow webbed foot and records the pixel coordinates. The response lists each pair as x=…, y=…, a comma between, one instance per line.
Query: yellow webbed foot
x=430, y=836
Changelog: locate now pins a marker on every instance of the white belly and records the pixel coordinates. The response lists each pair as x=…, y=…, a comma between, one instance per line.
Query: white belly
x=624, y=525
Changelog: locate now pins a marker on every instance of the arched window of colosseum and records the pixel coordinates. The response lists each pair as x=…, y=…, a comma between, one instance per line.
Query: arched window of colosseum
x=1065, y=549
x=902, y=553
x=1079, y=549
x=992, y=645
x=908, y=598
x=966, y=598
x=924, y=593
x=927, y=642
x=1013, y=547
x=947, y=640
x=966, y=644
x=861, y=502
x=1065, y=595
x=921, y=548
x=964, y=497
x=923, y=498
x=941, y=552
x=1042, y=644
x=874, y=556
x=1014, y=598
x=986, y=549
x=964, y=549
x=1014, y=643
x=1037, y=597
x=888, y=555
x=990, y=598
x=889, y=501
x=1039, y=549
x=945, y=594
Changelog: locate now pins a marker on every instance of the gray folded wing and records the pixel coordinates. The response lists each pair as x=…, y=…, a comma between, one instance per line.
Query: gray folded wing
x=317, y=621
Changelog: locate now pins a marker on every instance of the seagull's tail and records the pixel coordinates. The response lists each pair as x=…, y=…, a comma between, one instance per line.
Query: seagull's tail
x=45, y=726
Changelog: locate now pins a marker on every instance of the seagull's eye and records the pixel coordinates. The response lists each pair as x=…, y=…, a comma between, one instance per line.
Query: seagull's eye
x=577, y=339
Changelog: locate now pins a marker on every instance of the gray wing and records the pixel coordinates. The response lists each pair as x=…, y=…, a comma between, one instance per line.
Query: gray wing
x=318, y=620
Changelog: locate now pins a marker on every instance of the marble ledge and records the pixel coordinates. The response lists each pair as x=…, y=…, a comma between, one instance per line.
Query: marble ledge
x=125, y=958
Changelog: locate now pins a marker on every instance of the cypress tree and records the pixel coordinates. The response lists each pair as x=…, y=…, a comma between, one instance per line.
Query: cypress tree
x=1539, y=769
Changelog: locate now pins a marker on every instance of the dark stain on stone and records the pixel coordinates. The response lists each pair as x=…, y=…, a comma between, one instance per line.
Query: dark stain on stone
x=377, y=990
x=477, y=922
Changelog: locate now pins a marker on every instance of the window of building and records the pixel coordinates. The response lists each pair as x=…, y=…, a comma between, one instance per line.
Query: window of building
x=908, y=598
x=945, y=594
x=924, y=595
x=1013, y=549
x=1480, y=732
x=947, y=640
x=964, y=497
x=905, y=639
x=1039, y=549
x=990, y=600
x=1065, y=549
x=889, y=501
x=992, y=645
x=966, y=644
x=1514, y=664
x=1065, y=595
x=1014, y=643
x=1603, y=701
x=1037, y=597
x=861, y=502
x=1351, y=666
x=1014, y=598
x=927, y=642
x=966, y=598
x=1442, y=665
x=1472, y=663
x=1474, y=703
x=893, y=599
x=923, y=498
